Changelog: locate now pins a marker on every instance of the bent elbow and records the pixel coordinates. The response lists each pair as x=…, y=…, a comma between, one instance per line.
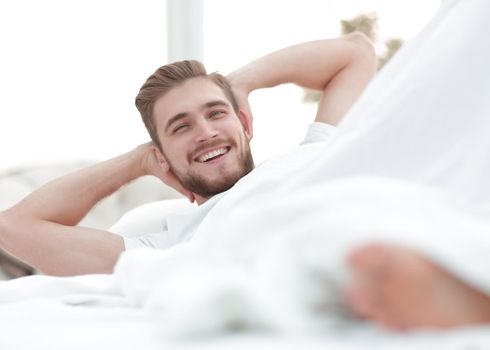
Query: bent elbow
x=362, y=44
x=360, y=39
x=363, y=52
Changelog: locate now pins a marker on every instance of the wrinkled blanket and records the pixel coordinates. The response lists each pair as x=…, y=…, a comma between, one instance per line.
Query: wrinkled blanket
x=408, y=166
x=288, y=280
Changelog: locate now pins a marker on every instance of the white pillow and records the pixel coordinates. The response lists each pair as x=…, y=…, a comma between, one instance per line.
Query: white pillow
x=147, y=217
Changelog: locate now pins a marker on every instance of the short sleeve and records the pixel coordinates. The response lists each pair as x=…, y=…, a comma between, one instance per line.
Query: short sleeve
x=159, y=240
x=319, y=132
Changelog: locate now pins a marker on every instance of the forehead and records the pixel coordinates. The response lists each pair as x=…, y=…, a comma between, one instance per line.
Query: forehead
x=186, y=98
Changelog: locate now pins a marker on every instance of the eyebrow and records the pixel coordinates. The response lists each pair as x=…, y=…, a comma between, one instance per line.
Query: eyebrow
x=182, y=115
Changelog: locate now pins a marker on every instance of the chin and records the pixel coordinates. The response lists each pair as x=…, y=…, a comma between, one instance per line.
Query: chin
x=224, y=182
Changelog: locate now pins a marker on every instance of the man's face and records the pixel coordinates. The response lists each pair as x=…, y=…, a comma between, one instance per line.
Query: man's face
x=205, y=143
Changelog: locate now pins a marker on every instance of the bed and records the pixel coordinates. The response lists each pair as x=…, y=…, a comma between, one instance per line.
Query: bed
x=248, y=287
x=135, y=308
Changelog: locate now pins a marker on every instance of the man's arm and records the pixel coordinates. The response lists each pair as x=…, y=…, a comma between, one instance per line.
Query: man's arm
x=341, y=68
x=41, y=230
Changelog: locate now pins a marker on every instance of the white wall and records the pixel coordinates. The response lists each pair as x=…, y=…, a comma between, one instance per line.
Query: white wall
x=69, y=70
x=69, y=73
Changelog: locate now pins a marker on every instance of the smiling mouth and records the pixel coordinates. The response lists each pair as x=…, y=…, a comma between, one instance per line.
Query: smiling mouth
x=213, y=155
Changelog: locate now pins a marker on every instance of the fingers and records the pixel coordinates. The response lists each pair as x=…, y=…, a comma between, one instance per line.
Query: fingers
x=191, y=197
x=160, y=168
x=160, y=158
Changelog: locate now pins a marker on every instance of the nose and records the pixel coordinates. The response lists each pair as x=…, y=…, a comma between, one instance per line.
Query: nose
x=206, y=131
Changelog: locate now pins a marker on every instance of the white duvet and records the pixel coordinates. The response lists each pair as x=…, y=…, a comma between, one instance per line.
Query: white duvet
x=409, y=166
x=275, y=289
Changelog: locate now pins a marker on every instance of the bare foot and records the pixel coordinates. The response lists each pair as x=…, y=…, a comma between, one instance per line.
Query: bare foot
x=402, y=290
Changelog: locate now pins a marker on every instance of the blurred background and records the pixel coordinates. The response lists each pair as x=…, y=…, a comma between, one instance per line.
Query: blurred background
x=70, y=70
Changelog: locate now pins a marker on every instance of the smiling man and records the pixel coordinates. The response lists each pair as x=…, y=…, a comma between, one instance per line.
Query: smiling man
x=206, y=135
x=200, y=125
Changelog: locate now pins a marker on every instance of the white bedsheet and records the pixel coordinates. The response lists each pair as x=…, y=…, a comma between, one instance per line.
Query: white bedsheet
x=47, y=325
x=281, y=291
x=278, y=280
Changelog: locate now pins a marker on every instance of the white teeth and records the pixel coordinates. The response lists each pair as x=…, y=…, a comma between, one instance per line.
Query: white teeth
x=211, y=154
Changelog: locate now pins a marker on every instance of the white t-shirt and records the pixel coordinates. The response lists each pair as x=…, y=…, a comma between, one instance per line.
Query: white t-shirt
x=181, y=226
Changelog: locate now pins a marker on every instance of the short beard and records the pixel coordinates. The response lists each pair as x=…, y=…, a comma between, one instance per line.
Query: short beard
x=206, y=188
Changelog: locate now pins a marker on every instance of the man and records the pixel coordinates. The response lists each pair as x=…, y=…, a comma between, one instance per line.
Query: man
x=188, y=158
x=200, y=147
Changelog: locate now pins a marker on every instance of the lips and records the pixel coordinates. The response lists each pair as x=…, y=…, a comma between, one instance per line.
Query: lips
x=212, y=154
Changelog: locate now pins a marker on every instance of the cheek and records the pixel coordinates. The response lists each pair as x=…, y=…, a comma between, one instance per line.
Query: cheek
x=176, y=152
x=235, y=128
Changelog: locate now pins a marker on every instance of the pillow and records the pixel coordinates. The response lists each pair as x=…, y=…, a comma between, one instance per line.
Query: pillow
x=147, y=217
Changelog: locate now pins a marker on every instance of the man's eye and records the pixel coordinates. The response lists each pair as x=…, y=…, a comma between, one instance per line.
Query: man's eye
x=216, y=114
x=180, y=128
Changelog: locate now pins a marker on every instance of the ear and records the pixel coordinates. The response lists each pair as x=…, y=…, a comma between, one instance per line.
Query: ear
x=162, y=161
x=246, y=120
